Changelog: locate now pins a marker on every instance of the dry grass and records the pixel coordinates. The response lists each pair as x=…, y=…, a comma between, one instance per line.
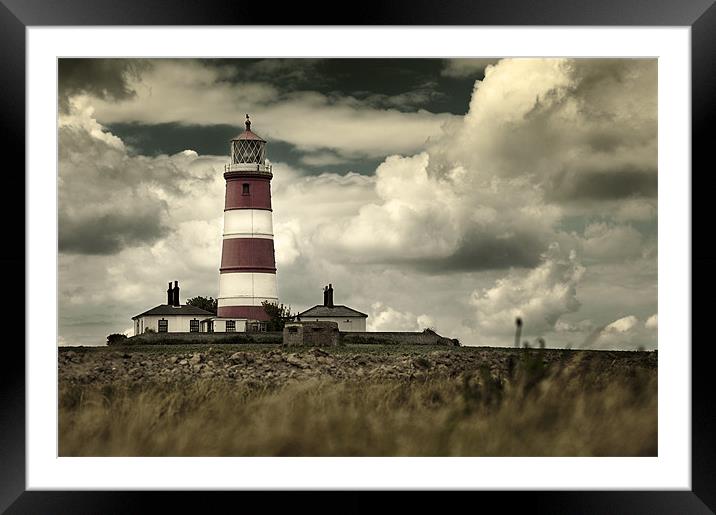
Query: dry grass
x=533, y=411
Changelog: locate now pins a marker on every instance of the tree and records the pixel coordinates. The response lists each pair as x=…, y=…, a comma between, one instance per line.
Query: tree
x=209, y=304
x=278, y=315
x=116, y=339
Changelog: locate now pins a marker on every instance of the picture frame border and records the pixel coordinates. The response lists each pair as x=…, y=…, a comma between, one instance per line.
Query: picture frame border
x=17, y=15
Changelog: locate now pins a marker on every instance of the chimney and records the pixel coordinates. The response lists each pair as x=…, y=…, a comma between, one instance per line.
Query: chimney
x=170, y=295
x=330, y=296
x=176, y=293
x=325, y=295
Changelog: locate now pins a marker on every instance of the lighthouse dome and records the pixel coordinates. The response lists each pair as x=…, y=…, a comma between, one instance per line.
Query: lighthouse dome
x=248, y=134
x=248, y=147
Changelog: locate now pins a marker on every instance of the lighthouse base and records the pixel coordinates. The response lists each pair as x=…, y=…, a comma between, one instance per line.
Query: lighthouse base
x=247, y=312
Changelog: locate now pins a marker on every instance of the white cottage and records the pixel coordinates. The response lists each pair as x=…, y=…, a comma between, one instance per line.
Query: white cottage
x=173, y=317
x=348, y=319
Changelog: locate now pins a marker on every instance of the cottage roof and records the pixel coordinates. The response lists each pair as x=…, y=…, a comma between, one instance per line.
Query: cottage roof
x=167, y=310
x=320, y=310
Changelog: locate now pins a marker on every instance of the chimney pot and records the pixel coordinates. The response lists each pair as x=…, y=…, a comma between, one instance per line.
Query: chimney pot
x=176, y=294
x=170, y=295
x=330, y=295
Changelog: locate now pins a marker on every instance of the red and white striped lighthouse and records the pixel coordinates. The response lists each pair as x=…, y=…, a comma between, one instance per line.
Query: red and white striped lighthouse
x=248, y=265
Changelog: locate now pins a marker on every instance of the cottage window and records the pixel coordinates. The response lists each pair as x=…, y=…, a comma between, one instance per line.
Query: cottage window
x=193, y=326
x=230, y=326
x=293, y=329
x=163, y=326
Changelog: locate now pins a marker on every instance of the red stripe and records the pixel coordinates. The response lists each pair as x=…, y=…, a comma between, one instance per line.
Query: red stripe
x=240, y=208
x=250, y=312
x=247, y=253
x=258, y=270
x=258, y=197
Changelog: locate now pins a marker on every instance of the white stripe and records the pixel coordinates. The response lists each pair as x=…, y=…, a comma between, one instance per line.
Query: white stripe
x=248, y=223
x=236, y=287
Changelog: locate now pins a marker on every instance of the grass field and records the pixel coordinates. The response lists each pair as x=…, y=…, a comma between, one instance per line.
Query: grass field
x=570, y=407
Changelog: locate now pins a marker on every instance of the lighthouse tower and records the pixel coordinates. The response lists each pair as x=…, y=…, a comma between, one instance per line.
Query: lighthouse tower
x=248, y=266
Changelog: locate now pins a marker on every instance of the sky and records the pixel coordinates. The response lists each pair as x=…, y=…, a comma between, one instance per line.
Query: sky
x=455, y=194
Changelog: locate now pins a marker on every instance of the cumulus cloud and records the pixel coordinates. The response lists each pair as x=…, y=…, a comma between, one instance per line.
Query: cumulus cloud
x=386, y=318
x=539, y=297
x=578, y=129
x=627, y=332
x=622, y=325
x=490, y=190
x=652, y=322
x=444, y=223
x=109, y=199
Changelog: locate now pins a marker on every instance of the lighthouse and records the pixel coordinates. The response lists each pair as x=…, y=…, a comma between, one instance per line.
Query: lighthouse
x=248, y=266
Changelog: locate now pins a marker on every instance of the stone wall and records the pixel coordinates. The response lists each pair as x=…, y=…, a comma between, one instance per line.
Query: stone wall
x=318, y=334
x=214, y=338
x=426, y=337
x=277, y=337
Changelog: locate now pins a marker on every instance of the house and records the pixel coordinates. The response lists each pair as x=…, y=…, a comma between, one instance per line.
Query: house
x=173, y=317
x=348, y=319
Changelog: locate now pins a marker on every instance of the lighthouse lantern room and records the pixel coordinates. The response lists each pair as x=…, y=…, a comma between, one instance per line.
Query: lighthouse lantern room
x=248, y=268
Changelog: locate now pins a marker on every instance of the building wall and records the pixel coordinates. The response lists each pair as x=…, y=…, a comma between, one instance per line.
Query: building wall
x=345, y=324
x=220, y=326
x=176, y=323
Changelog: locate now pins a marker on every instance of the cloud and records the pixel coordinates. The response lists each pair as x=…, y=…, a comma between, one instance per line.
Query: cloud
x=466, y=67
x=577, y=129
x=638, y=210
x=604, y=242
x=624, y=333
x=488, y=192
x=540, y=297
x=385, y=318
x=652, y=322
x=109, y=200
x=103, y=78
x=442, y=224
x=194, y=93
x=406, y=100
x=622, y=325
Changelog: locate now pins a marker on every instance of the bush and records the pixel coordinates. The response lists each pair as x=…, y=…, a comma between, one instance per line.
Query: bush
x=116, y=339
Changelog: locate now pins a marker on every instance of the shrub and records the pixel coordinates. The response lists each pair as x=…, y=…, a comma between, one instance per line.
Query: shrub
x=116, y=339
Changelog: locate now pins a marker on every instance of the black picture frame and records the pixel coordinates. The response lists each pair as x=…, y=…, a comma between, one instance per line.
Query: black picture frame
x=700, y=15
